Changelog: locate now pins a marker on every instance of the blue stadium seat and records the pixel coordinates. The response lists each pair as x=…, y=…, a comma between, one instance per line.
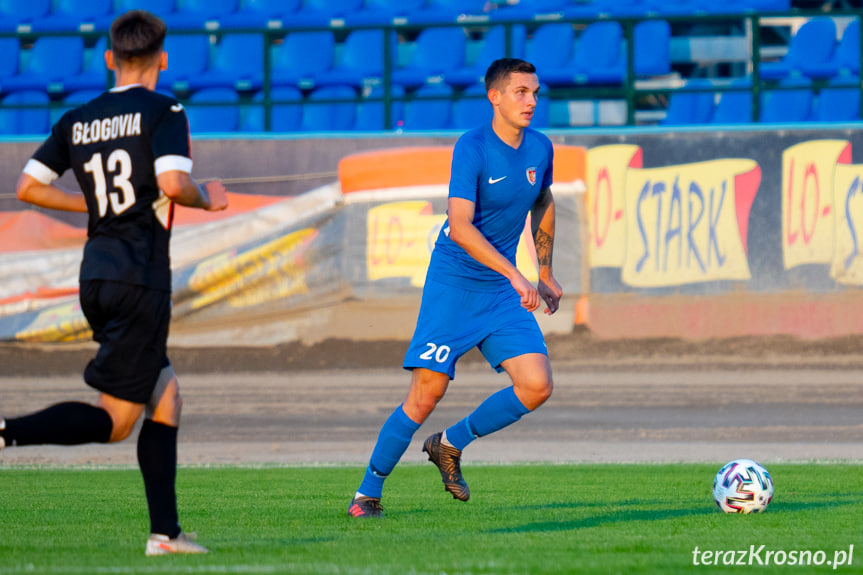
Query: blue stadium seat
x=652, y=48
x=53, y=59
x=333, y=116
x=25, y=121
x=74, y=15
x=468, y=113
x=370, y=115
x=429, y=114
x=380, y=12
x=838, y=103
x=238, y=64
x=550, y=50
x=599, y=58
x=361, y=61
x=161, y=8
x=734, y=107
x=10, y=53
x=81, y=97
x=301, y=57
x=200, y=14
x=95, y=75
x=73, y=100
x=317, y=13
x=526, y=9
x=439, y=11
x=19, y=15
x=812, y=46
x=690, y=107
x=542, y=112
x=493, y=47
x=286, y=117
x=261, y=14
x=846, y=58
x=787, y=105
x=437, y=52
x=188, y=57
x=209, y=119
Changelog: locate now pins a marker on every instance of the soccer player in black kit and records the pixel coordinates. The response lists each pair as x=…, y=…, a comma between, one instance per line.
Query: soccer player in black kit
x=129, y=151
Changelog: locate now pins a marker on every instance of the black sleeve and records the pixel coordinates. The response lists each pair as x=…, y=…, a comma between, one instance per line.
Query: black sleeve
x=54, y=152
x=171, y=134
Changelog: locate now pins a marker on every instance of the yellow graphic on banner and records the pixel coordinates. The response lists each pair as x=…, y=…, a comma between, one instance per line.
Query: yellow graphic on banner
x=64, y=322
x=682, y=224
x=606, y=178
x=401, y=237
x=847, y=264
x=807, y=201
x=238, y=277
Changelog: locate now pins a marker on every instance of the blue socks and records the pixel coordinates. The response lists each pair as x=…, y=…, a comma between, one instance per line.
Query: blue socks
x=393, y=440
x=498, y=411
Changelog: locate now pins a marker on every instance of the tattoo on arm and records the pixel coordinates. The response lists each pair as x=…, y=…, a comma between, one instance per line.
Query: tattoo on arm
x=543, y=239
x=544, y=243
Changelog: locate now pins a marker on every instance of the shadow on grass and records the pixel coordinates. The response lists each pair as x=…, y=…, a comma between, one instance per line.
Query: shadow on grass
x=596, y=521
x=629, y=515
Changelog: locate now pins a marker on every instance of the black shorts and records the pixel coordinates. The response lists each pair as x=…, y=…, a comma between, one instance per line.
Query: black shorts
x=130, y=323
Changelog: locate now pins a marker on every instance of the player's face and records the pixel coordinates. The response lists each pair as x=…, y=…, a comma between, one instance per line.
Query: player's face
x=517, y=100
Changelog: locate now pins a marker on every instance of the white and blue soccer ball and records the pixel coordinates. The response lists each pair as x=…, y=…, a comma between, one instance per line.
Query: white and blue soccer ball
x=743, y=486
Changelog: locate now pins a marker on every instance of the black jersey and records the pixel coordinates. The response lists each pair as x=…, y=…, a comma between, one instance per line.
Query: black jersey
x=117, y=144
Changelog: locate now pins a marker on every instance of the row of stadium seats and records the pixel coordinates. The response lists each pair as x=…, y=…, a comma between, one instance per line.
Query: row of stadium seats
x=814, y=52
x=563, y=57
x=436, y=107
x=37, y=16
x=224, y=110
x=793, y=101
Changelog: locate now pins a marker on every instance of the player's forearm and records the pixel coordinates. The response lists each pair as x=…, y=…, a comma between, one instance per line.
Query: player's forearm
x=478, y=247
x=183, y=190
x=50, y=196
x=542, y=226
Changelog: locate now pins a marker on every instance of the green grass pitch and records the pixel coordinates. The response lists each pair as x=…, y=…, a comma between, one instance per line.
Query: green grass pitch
x=521, y=519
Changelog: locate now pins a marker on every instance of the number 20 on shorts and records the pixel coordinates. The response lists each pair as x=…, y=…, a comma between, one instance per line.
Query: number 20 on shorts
x=440, y=353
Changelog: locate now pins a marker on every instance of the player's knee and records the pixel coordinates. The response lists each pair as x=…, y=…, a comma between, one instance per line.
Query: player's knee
x=423, y=405
x=534, y=392
x=121, y=428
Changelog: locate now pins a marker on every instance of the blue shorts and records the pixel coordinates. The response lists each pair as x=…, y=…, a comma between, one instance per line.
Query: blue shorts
x=453, y=320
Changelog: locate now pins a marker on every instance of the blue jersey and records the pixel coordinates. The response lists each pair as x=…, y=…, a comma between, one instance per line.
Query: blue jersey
x=503, y=182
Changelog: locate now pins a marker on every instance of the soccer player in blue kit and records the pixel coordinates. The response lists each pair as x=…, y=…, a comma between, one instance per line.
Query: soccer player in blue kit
x=474, y=295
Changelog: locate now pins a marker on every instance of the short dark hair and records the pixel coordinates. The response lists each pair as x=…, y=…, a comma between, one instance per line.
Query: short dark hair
x=501, y=69
x=137, y=36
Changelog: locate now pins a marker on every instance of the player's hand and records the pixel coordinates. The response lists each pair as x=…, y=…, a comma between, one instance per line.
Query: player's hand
x=218, y=196
x=550, y=292
x=529, y=296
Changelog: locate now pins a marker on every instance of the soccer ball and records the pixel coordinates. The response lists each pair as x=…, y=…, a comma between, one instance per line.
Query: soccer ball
x=742, y=486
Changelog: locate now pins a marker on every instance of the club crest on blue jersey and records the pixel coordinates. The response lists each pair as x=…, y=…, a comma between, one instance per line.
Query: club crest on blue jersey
x=531, y=175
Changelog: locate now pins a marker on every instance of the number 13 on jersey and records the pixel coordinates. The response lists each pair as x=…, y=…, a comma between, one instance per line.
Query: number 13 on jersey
x=120, y=165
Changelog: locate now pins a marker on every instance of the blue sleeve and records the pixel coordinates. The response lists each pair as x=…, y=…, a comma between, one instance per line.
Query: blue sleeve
x=548, y=177
x=467, y=165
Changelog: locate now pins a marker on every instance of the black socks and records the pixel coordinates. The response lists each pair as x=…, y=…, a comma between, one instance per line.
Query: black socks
x=69, y=423
x=157, y=456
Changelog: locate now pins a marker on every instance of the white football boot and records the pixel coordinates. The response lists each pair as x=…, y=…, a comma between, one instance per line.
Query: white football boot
x=182, y=544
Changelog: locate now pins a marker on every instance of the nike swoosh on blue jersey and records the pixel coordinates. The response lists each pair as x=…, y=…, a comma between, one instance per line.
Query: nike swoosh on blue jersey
x=491, y=181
